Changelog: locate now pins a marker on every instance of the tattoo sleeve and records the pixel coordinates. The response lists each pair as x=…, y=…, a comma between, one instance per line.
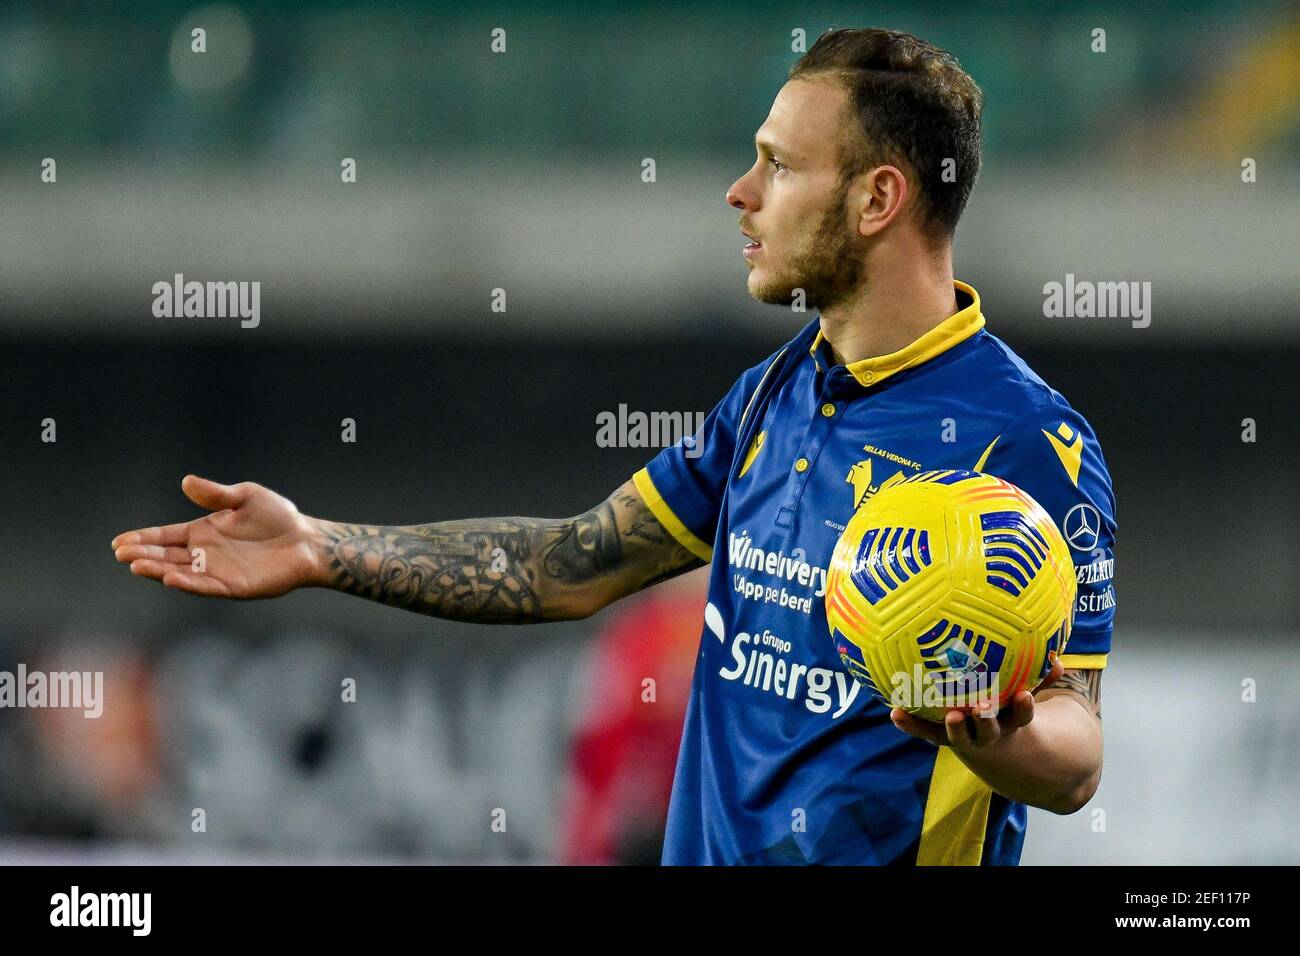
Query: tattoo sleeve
x=1083, y=684
x=508, y=570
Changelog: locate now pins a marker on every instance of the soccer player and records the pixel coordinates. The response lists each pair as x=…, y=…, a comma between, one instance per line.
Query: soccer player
x=864, y=165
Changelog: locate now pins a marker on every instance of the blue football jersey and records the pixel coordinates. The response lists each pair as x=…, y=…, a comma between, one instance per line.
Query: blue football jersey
x=785, y=758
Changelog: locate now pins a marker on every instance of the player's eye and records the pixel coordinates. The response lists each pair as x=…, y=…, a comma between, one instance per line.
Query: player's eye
x=777, y=164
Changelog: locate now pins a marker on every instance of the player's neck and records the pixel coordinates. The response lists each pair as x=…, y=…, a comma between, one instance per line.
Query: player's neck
x=889, y=314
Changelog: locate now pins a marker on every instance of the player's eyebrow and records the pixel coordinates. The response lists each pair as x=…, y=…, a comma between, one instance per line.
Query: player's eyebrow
x=767, y=146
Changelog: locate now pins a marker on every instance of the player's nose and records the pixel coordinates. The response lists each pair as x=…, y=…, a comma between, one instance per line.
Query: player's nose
x=741, y=196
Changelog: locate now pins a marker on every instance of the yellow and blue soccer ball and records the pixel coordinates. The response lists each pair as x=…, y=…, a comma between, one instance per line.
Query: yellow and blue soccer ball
x=949, y=588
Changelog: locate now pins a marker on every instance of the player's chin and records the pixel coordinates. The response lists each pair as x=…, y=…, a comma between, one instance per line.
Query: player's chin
x=763, y=289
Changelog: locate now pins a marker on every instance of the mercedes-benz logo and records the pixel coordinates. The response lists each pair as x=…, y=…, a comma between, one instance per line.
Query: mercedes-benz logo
x=1082, y=527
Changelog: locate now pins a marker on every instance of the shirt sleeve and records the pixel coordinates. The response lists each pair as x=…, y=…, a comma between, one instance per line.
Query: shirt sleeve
x=1053, y=454
x=683, y=485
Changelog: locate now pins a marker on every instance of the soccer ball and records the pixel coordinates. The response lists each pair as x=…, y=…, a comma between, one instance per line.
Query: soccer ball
x=947, y=589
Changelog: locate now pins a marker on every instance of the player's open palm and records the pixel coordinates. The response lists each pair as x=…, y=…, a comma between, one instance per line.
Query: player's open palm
x=254, y=544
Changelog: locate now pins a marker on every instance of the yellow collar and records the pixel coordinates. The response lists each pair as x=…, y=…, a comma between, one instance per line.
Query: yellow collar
x=953, y=330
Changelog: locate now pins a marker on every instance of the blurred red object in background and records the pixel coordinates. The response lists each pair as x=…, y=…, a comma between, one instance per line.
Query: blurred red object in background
x=624, y=750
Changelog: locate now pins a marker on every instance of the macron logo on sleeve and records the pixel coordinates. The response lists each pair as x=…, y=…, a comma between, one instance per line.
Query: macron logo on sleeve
x=1070, y=451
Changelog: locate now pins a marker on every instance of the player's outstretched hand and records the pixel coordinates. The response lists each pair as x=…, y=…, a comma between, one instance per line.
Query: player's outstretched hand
x=966, y=728
x=254, y=544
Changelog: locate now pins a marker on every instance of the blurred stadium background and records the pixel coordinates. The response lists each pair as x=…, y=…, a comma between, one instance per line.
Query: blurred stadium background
x=522, y=171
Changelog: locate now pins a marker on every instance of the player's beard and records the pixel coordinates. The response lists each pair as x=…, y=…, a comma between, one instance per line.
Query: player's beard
x=828, y=266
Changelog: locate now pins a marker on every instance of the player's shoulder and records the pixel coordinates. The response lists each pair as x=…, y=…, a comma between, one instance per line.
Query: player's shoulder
x=1044, y=444
x=1027, y=402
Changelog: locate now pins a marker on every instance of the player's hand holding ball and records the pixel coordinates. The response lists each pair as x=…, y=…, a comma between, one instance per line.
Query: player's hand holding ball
x=966, y=727
x=951, y=596
x=254, y=544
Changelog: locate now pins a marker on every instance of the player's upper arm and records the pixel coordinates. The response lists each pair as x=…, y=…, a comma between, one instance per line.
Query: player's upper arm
x=609, y=552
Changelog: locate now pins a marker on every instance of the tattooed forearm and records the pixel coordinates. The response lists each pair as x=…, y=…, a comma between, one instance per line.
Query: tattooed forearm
x=478, y=573
x=1085, y=684
x=506, y=570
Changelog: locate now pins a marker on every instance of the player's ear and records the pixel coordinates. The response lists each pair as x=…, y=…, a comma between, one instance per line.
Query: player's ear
x=877, y=197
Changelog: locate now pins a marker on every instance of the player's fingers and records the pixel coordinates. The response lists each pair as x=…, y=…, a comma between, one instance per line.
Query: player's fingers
x=167, y=535
x=195, y=583
x=149, y=568
x=918, y=727
x=1022, y=709
x=213, y=496
x=954, y=722
x=132, y=552
x=987, y=727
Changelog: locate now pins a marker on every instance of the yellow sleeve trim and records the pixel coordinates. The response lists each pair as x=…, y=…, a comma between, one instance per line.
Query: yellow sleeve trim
x=659, y=508
x=1084, y=662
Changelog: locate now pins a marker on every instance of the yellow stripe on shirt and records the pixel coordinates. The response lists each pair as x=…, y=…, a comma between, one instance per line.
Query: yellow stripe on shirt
x=659, y=508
